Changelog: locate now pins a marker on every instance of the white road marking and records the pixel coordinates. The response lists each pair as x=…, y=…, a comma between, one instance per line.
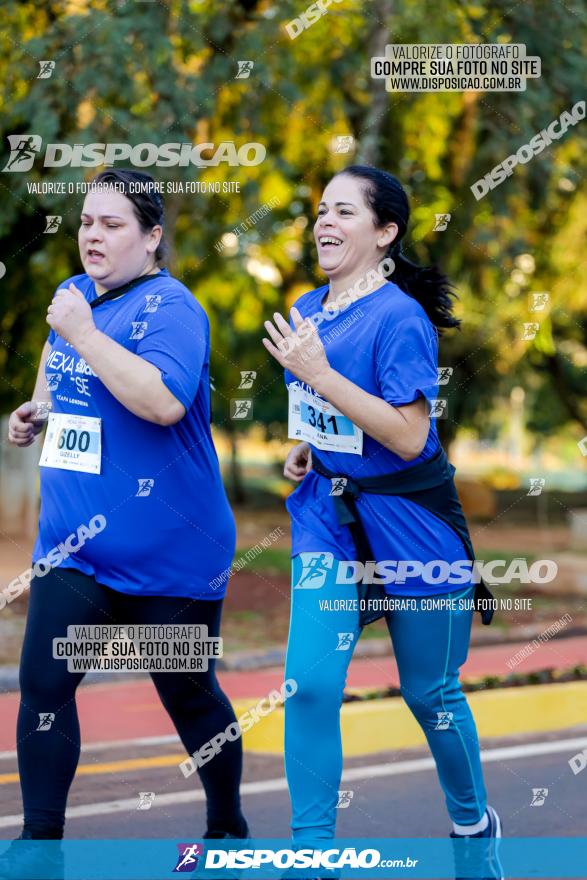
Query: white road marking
x=370, y=771
x=168, y=739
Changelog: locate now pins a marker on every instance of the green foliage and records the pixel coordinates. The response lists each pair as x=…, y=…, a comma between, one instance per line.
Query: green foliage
x=133, y=72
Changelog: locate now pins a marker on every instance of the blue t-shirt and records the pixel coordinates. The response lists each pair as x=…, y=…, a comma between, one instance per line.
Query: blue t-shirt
x=384, y=343
x=169, y=528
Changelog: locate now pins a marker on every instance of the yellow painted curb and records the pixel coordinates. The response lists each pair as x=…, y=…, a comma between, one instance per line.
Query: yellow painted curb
x=382, y=725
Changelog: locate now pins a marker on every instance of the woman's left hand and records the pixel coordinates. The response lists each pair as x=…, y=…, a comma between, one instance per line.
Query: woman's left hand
x=300, y=351
x=70, y=315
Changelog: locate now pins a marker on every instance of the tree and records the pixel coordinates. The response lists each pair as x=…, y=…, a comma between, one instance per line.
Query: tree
x=160, y=73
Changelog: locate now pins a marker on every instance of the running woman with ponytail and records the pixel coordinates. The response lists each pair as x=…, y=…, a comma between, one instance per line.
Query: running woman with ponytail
x=125, y=373
x=375, y=485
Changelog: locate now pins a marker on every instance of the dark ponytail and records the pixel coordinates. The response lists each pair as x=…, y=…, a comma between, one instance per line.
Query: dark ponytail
x=427, y=284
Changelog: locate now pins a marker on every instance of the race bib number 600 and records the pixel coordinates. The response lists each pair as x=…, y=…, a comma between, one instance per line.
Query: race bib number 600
x=318, y=422
x=73, y=443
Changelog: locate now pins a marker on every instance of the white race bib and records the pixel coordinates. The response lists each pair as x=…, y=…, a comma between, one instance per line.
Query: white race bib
x=321, y=424
x=73, y=443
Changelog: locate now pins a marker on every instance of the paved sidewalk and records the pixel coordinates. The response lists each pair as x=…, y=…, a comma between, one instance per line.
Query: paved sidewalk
x=131, y=709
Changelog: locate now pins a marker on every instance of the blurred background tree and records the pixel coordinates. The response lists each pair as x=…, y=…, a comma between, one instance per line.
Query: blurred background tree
x=137, y=72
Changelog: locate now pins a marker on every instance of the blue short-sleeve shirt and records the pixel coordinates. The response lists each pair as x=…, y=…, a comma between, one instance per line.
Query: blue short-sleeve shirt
x=385, y=343
x=169, y=528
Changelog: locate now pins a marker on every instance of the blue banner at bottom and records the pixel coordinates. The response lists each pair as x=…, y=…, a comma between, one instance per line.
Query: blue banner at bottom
x=512, y=858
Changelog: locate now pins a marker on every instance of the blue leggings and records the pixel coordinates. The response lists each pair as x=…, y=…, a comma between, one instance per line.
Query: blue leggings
x=430, y=646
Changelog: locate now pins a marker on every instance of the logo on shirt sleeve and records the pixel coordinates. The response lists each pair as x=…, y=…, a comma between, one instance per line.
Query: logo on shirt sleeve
x=138, y=329
x=152, y=302
x=53, y=380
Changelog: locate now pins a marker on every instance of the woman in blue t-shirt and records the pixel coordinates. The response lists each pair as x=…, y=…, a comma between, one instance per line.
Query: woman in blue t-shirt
x=135, y=526
x=361, y=367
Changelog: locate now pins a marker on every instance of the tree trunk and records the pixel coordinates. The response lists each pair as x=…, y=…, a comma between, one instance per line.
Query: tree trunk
x=566, y=394
x=368, y=151
x=235, y=476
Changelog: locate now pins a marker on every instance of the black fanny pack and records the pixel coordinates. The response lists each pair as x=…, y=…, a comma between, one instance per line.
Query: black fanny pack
x=429, y=484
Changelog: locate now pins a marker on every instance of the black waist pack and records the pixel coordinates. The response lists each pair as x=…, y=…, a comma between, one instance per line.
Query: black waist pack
x=431, y=485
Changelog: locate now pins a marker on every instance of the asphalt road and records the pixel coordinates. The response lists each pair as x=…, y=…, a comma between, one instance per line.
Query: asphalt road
x=404, y=802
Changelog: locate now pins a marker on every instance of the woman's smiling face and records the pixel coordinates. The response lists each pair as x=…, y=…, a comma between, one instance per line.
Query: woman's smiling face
x=346, y=237
x=113, y=247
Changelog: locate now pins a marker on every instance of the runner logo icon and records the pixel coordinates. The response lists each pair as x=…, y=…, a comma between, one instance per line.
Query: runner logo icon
x=444, y=719
x=187, y=861
x=344, y=641
x=46, y=719
x=23, y=149
x=539, y=795
x=138, y=329
x=146, y=799
x=314, y=569
x=338, y=485
x=46, y=69
x=344, y=799
x=152, y=302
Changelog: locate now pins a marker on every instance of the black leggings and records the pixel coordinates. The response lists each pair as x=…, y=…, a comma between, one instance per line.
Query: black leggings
x=199, y=709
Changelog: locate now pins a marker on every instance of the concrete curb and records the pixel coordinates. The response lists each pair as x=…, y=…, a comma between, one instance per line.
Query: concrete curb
x=241, y=661
x=249, y=661
x=383, y=725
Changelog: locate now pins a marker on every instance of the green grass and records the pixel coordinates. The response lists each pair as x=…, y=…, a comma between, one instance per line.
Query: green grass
x=487, y=554
x=277, y=559
x=274, y=560
x=487, y=682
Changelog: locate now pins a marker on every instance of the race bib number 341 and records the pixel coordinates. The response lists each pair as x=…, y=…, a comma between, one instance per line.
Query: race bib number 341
x=321, y=424
x=73, y=443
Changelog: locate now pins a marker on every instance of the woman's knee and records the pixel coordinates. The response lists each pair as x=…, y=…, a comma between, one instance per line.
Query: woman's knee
x=424, y=701
x=314, y=690
x=429, y=701
x=189, y=694
x=52, y=685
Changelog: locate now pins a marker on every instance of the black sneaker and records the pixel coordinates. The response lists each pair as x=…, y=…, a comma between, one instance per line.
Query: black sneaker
x=476, y=855
x=224, y=835
x=26, y=858
x=236, y=873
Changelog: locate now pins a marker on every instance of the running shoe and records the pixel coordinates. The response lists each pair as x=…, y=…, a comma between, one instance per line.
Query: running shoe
x=236, y=873
x=476, y=855
x=25, y=858
x=224, y=835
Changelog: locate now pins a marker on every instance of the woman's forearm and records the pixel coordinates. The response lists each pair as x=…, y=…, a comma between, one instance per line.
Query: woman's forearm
x=41, y=393
x=132, y=380
x=403, y=430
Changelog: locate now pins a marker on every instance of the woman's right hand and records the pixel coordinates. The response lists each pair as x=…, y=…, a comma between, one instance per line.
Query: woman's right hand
x=24, y=424
x=298, y=462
